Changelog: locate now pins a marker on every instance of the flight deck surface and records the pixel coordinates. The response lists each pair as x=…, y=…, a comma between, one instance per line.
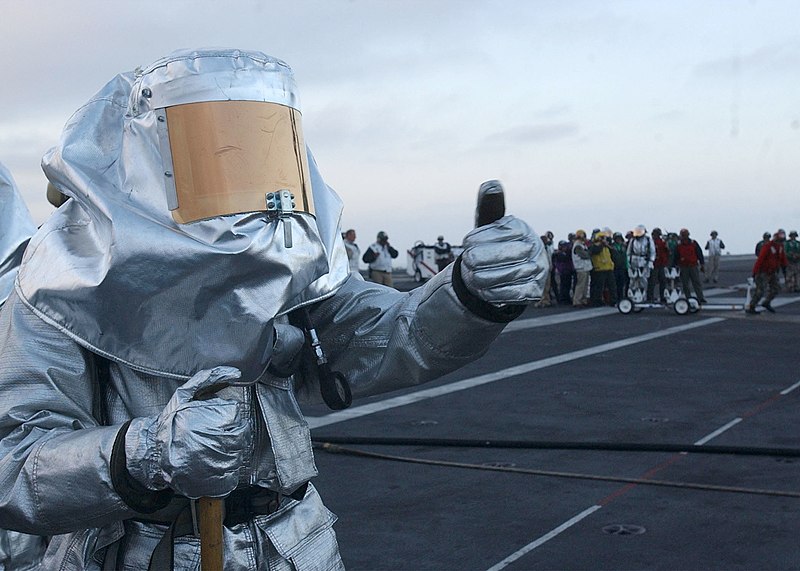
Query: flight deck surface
x=713, y=378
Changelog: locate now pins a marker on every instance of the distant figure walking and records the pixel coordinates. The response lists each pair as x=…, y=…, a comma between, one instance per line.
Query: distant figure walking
x=771, y=258
x=379, y=256
x=714, y=248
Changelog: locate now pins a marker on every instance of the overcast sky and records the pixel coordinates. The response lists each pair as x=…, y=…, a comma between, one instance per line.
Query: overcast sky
x=664, y=113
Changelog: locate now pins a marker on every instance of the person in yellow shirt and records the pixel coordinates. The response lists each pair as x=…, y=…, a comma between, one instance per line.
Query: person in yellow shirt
x=602, y=279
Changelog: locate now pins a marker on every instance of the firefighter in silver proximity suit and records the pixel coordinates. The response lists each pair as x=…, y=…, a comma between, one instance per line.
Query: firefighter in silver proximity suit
x=16, y=228
x=18, y=551
x=149, y=354
x=641, y=257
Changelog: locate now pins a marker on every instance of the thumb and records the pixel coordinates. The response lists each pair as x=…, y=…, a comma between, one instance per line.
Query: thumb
x=207, y=379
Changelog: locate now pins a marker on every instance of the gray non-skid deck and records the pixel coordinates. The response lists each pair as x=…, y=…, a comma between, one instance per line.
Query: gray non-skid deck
x=714, y=378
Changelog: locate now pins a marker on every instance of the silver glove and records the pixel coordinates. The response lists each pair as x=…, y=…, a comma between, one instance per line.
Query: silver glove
x=194, y=447
x=504, y=262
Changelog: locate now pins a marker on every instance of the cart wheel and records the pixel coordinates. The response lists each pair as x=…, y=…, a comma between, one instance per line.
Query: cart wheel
x=625, y=306
x=694, y=305
x=681, y=306
x=417, y=276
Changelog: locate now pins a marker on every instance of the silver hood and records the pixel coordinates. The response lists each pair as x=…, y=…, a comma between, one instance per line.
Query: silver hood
x=16, y=228
x=112, y=269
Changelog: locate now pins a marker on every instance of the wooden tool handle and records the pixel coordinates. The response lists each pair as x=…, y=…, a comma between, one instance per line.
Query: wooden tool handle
x=211, y=544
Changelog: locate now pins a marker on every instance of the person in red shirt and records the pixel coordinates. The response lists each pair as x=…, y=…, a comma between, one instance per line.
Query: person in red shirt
x=688, y=256
x=765, y=271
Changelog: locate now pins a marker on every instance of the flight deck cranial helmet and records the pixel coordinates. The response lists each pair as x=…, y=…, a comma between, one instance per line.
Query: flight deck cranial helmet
x=639, y=231
x=231, y=146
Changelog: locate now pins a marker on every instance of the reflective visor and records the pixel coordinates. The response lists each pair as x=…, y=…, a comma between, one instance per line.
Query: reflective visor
x=227, y=155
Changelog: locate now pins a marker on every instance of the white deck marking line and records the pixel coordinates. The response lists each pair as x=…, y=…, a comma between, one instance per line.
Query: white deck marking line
x=545, y=538
x=718, y=431
x=569, y=523
x=558, y=318
x=790, y=389
x=379, y=406
x=781, y=301
x=720, y=290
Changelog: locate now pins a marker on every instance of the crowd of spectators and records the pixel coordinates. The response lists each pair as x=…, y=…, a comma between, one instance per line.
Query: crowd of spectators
x=605, y=267
x=595, y=270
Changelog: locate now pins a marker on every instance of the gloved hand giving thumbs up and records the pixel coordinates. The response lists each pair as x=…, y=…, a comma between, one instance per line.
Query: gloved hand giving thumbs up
x=504, y=261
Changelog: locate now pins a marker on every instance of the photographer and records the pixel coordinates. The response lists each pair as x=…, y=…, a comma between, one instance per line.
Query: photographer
x=379, y=256
x=602, y=278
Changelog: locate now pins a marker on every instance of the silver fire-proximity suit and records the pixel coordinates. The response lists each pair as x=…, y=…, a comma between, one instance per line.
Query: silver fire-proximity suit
x=18, y=551
x=149, y=353
x=641, y=257
x=16, y=228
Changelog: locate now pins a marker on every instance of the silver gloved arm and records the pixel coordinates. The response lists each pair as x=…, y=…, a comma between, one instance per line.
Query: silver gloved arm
x=62, y=471
x=55, y=458
x=382, y=339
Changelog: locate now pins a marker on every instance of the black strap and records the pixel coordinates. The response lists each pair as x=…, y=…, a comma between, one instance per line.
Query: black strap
x=163, y=556
x=101, y=382
x=240, y=506
x=134, y=494
x=111, y=560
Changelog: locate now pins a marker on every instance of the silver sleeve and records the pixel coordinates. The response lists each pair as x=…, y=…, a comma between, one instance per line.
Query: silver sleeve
x=54, y=457
x=382, y=339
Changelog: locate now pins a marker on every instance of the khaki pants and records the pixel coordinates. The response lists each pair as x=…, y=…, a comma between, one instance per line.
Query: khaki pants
x=767, y=286
x=712, y=268
x=381, y=277
x=581, y=294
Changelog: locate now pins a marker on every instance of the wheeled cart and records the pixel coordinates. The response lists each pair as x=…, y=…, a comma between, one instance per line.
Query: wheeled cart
x=636, y=300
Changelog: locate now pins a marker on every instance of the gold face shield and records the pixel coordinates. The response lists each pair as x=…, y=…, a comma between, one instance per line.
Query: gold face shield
x=228, y=155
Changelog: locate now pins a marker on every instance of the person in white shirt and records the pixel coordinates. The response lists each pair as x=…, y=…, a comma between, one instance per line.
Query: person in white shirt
x=443, y=253
x=714, y=247
x=379, y=256
x=353, y=251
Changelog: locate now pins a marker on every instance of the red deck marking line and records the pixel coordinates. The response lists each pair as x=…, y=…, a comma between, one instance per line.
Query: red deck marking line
x=646, y=476
x=769, y=402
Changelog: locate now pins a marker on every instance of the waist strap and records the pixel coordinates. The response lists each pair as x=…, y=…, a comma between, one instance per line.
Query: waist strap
x=180, y=515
